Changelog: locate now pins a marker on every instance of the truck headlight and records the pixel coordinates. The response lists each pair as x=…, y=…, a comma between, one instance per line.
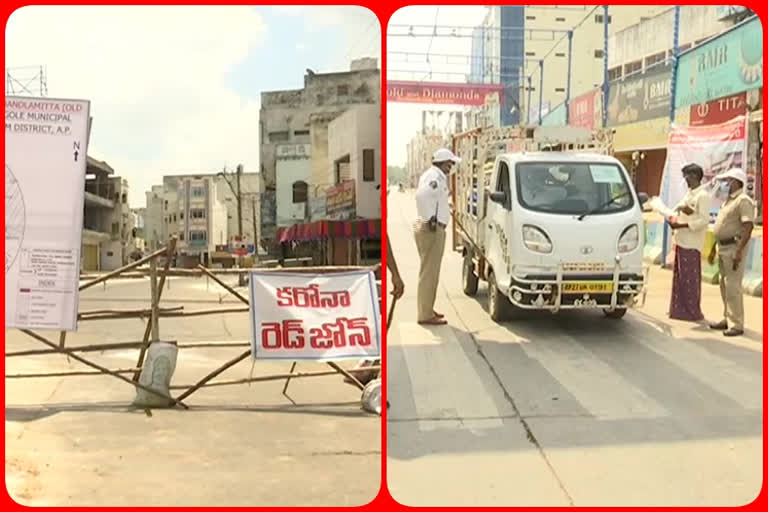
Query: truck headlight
x=629, y=239
x=536, y=240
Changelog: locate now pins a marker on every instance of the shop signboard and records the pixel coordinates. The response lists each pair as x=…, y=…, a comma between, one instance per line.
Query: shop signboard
x=341, y=201
x=585, y=111
x=640, y=98
x=726, y=65
x=556, y=117
x=719, y=110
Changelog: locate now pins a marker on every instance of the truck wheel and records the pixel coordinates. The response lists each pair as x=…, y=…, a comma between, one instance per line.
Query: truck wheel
x=616, y=314
x=469, y=279
x=499, y=306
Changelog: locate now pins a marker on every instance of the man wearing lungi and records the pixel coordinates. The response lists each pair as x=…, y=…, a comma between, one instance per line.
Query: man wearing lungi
x=690, y=231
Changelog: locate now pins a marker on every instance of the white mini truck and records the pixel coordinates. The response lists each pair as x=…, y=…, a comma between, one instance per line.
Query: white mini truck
x=552, y=231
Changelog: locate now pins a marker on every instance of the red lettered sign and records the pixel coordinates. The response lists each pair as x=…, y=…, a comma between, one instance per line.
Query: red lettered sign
x=314, y=317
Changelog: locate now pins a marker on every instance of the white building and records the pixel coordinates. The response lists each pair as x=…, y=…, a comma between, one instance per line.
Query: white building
x=301, y=116
x=354, y=153
x=294, y=172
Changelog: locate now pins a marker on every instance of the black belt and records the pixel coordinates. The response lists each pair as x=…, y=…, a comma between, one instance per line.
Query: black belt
x=728, y=241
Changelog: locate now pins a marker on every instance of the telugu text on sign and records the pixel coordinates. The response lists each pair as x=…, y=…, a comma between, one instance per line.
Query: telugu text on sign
x=314, y=317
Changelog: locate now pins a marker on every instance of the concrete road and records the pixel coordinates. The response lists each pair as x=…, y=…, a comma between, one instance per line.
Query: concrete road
x=572, y=409
x=77, y=441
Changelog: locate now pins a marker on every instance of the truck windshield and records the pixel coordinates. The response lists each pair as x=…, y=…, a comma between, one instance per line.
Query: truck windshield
x=572, y=188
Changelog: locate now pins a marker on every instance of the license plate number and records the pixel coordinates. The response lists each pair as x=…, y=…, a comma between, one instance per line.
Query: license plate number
x=588, y=287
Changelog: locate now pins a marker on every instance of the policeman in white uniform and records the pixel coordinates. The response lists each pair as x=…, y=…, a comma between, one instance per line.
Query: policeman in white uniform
x=433, y=209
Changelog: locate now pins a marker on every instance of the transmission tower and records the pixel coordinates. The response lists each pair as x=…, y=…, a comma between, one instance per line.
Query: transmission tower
x=26, y=81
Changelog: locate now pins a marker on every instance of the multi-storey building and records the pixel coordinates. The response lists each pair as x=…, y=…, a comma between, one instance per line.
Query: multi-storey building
x=516, y=43
x=296, y=118
x=108, y=223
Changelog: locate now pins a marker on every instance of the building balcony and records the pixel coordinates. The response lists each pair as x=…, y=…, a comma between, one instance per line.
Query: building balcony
x=92, y=199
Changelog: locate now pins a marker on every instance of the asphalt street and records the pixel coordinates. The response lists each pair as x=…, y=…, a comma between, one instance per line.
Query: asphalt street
x=569, y=409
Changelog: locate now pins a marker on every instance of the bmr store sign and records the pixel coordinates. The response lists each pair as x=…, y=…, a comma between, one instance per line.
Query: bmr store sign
x=473, y=95
x=726, y=65
x=640, y=98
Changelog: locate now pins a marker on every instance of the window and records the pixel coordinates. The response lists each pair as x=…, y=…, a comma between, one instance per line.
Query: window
x=125, y=198
x=530, y=17
x=300, y=192
x=110, y=254
x=655, y=60
x=530, y=54
x=279, y=136
x=614, y=74
x=559, y=89
x=598, y=54
x=559, y=54
x=181, y=236
x=197, y=213
x=342, y=90
x=174, y=217
x=181, y=216
x=197, y=236
x=599, y=18
x=368, y=165
x=559, y=19
x=301, y=133
x=633, y=67
x=572, y=188
x=115, y=228
x=198, y=192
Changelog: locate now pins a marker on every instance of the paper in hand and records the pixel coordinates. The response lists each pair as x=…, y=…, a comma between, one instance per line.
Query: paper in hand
x=658, y=205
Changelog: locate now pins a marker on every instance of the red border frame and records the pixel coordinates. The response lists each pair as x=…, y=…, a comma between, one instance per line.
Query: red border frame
x=384, y=11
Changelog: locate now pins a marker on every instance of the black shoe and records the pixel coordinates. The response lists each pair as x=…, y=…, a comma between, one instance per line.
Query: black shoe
x=733, y=332
x=720, y=326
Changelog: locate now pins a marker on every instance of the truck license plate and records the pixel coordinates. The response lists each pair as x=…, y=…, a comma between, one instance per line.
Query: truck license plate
x=588, y=287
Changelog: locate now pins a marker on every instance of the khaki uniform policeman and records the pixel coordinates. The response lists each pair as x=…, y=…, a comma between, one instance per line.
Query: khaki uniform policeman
x=433, y=209
x=733, y=230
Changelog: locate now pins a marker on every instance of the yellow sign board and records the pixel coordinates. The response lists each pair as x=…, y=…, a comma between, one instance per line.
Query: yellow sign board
x=651, y=134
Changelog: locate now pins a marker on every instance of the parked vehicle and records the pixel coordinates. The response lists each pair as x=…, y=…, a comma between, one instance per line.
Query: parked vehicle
x=549, y=219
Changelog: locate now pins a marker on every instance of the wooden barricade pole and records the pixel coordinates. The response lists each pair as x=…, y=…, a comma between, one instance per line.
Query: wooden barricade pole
x=170, y=251
x=99, y=367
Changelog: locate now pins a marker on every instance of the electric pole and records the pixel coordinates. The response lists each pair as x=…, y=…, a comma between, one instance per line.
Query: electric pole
x=238, y=197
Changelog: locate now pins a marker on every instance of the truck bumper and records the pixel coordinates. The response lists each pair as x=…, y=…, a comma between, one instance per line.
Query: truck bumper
x=545, y=289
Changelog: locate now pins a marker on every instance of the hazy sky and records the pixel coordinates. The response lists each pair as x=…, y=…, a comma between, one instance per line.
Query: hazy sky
x=404, y=119
x=176, y=89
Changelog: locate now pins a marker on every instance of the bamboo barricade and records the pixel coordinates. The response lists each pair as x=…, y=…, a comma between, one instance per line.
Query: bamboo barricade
x=152, y=315
x=349, y=374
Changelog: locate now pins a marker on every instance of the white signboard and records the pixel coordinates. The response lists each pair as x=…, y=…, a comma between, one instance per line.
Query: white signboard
x=46, y=145
x=314, y=317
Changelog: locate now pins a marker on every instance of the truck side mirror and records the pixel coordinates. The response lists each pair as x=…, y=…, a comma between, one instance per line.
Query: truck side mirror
x=642, y=197
x=498, y=197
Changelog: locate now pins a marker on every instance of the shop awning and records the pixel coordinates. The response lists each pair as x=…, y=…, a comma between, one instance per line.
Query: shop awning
x=326, y=229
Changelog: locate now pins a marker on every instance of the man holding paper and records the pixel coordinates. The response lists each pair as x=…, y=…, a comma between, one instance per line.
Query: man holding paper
x=689, y=221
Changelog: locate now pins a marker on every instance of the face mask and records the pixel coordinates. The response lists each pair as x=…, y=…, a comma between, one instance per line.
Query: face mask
x=725, y=187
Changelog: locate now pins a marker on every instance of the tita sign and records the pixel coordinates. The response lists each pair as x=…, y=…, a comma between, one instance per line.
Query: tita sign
x=719, y=110
x=473, y=95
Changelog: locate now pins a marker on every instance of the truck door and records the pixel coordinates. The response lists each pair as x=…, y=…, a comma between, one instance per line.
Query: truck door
x=499, y=225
